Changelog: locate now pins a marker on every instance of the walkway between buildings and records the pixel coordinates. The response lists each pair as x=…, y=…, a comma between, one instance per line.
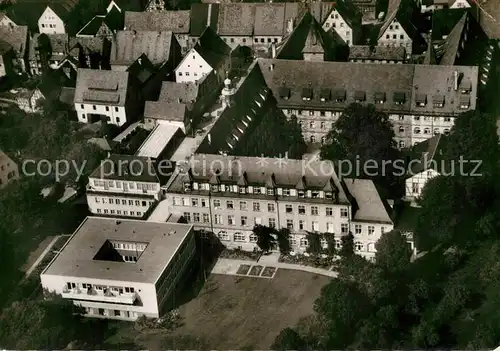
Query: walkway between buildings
x=44, y=253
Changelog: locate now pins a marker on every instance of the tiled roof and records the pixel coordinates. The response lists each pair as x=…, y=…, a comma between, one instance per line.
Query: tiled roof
x=4, y=47
x=88, y=44
x=212, y=48
x=142, y=69
x=236, y=19
x=443, y=22
x=62, y=8
x=101, y=87
x=372, y=79
x=234, y=169
x=269, y=19
x=169, y=111
x=400, y=10
x=178, y=92
x=202, y=16
x=129, y=45
x=162, y=21
x=58, y=43
x=17, y=37
x=377, y=52
x=370, y=207
x=452, y=43
x=426, y=151
x=67, y=95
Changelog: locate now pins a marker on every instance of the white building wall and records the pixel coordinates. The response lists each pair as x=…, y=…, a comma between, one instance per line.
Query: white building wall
x=181, y=125
x=145, y=292
x=116, y=204
x=192, y=68
x=340, y=26
x=395, y=35
x=460, y=4
x=414, y=185
x=50, y=23
x=6, y=21
x=366, y=236
x=116, y=114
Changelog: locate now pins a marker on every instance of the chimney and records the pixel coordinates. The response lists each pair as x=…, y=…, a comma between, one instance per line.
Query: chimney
x=455, y=80
x=209, y=136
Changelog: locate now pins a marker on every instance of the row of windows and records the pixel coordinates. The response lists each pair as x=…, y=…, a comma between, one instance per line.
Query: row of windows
x=123, y=202
x=48, y=26
x=104, y=289
x=129, y=246
x=334, y=25
x=94, y=107
x=395, y=36
x=120, y=212
x=256, y=206
x=110, y=313
x=126, y=185
x=107, y=118
x=418, y=130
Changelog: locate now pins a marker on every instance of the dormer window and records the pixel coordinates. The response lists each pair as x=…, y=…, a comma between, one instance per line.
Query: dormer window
x=325, y=94
x=399, y=98
x=339, y=95
x=466, y=87
x=438, y=100
x=315, y=194
x=359, y=96
x=284, y=93
x=270, y=191
x=464, y=102
x=301, y=193
x=188, y=186
x=256, y=190
x=214, y=188
x=243, y=190
x=328, y=195
x=307, y=94
x=286, y=192
x=421, y=100
x=379, y=97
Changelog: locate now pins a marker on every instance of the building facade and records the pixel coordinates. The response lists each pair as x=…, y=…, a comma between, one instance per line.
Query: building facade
x=121, y=274
x=421, y=100
x=9, y=171
x=123, y=186
x=230, y=195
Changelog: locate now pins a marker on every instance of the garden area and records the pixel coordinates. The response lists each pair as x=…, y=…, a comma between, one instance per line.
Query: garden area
x=237, y=254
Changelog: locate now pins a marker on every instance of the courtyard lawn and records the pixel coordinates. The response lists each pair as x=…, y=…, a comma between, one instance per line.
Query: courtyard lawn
x=232, y=312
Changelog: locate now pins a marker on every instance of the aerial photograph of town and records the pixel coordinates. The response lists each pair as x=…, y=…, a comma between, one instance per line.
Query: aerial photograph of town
x=250, y=175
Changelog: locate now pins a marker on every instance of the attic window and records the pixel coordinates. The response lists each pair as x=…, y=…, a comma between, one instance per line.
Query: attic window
x=466, y=87
x=359, y=96
x=325, y=94
x=438, y=100
x=339, y=95
x=284, y=93
x=307, y=94
x=379, y=98
x=464, y=101
x=399, y=98
x=187, y=186
x=328, y=195
x=421, y=99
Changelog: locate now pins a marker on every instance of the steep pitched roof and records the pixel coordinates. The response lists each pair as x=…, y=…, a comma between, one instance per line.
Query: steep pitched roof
x=17, y=37
x=430, y=55
x=236, y=19
x=142, y=69
x=426, y=155
x=113, y=20
x=452, y=43
x=101, y=87
x=212, y=48
x=202, y=16
x=307, y=37
x=179, y=92
x=401, y=11
x=443, y=22
x=4, y=47
x=397, y=53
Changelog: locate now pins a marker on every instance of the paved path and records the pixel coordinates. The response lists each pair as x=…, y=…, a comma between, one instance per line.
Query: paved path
x=44, y=253
x=230, y=267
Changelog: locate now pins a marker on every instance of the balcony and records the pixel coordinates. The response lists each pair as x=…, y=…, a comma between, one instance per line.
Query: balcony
x=99, y=295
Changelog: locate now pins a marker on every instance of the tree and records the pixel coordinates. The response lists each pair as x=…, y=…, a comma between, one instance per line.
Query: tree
x=363, y=134
x=393, y=253
x=347, y=249
x=343, y=306
x=331, y=249
x=313, y=243
x=288, y=339
x=283, y=240
x=265, y=239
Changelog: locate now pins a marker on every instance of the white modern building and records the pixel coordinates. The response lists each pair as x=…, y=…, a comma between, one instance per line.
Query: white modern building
x=104, y=95
x=121, y=269
x=229, y=195
x=124, y=186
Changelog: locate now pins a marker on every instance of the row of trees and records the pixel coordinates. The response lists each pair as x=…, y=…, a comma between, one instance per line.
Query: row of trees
x=447, y=298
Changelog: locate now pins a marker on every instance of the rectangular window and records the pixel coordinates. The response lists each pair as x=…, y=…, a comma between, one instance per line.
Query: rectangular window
x=243, y=206
x=272, y=222
x=289, y=224
x=206, y=218
x=256, y=206
x=357, y=228
x=196, y=217
x=329, y=211
x=218, y=219
x=329, y=227
x=217, y=204
x=186, y=215
x=194, y=202
x=371, y=229
x=230, y=205
x=270, y=207
x=302, y=209
x=343, y=212
x=302, y=224
x=314, y=210
x=230, y=220
x=315, y=226
x=344, y=228
x=244, y=221
x=288, y=208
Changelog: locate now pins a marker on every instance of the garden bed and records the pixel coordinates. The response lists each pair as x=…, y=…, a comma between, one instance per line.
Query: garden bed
x=244, y=268
x=239, y=255
x=312, y=261
x=268, y=272
x=255, y=271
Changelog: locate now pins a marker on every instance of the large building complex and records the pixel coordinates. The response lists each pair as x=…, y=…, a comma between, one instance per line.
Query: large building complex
x=121, y=269
x=230, y=195
x=421, y=100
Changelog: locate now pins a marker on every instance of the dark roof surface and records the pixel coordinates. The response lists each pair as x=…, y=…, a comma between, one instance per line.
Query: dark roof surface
x=212, y=48
x=203, y=15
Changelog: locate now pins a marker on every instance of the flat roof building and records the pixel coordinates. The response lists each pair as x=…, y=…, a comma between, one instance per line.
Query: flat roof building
x=121, y=269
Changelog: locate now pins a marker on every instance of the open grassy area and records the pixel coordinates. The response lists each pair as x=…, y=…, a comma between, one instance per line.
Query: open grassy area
x=239, y=312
